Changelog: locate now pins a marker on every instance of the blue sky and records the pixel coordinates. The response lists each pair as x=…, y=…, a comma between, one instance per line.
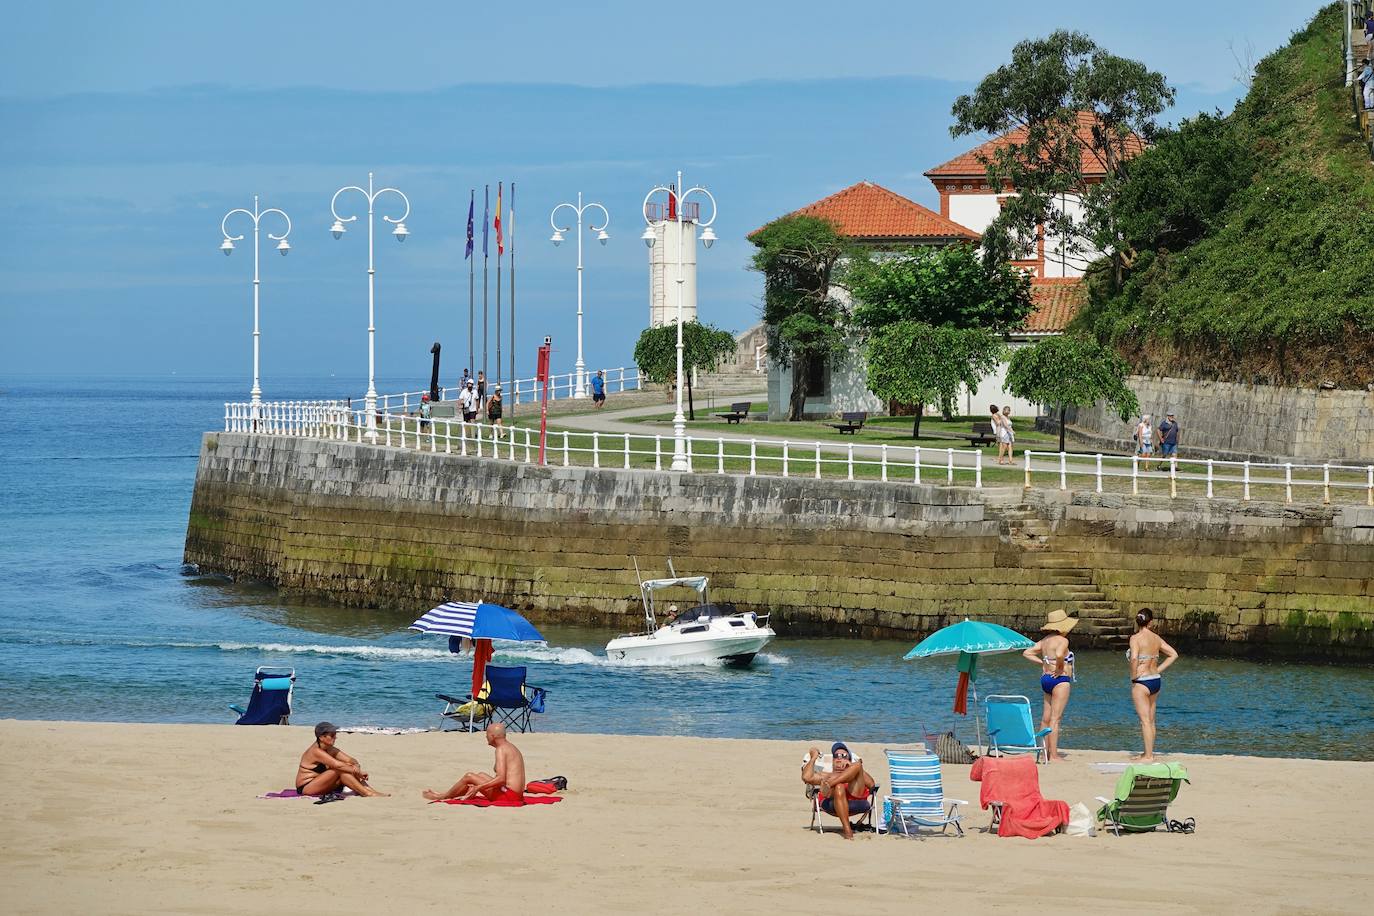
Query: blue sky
x=127, y=130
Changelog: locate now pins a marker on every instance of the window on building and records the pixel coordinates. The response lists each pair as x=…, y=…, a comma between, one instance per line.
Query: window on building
x=818, y=379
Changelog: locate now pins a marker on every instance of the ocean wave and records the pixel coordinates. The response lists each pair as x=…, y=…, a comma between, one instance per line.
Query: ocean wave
x=372, y=653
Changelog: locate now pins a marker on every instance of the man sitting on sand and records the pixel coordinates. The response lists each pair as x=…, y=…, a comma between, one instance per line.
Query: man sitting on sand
x=507, y=786
x=845, y=791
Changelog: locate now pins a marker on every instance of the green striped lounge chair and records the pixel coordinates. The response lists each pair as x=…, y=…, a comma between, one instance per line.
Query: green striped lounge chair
x=918, y=798
x=1143, y=795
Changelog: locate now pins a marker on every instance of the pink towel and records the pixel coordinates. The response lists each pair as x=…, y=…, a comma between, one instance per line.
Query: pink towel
x=1015, y=782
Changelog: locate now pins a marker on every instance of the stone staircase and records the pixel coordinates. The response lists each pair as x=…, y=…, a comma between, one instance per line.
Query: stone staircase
x=1102, y=619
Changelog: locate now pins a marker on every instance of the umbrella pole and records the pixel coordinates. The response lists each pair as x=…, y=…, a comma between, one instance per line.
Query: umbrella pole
x=977, y=723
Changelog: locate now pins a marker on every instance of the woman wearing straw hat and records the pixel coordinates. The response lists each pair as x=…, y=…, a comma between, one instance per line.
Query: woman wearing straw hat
x=1056, y=675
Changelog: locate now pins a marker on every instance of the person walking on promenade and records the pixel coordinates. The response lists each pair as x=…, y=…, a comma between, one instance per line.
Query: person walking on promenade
x=494, y=412
x=599, y=389
x=1011, y=434
x=481, y=391
x=467, y=401
x=463, y=382
x=1145, y=439
x=995, y=419
x=1168, y=436
x=1056, y=663
x=1146, y=675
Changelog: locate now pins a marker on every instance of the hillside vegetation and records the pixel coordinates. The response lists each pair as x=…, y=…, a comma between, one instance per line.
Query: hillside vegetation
x=1251, y=235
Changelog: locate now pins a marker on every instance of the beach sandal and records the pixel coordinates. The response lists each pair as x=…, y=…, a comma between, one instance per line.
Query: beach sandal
x=1187, y=825
x=328, y=797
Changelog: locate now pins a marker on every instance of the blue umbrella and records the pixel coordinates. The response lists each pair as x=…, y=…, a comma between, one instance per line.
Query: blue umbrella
x=969, y=639
x=477, y=621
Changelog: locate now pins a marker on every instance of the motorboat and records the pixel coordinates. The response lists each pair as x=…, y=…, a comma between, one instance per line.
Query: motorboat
x=705, y=633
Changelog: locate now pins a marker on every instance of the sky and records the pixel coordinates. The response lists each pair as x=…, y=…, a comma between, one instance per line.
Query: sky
x=128, y=130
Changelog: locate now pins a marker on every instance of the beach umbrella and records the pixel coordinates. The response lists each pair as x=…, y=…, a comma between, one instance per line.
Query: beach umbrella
x=481, y=623
x=969, y=639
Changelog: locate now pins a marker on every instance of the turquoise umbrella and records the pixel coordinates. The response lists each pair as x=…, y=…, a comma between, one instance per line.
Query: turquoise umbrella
x=969, y=639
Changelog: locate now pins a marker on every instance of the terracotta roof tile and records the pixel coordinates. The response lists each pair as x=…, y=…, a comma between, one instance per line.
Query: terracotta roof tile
x=969, y=165
x=869, y=211
x=1057, y=302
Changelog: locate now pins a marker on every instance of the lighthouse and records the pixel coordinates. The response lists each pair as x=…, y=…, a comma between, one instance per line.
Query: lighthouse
x=675, y=241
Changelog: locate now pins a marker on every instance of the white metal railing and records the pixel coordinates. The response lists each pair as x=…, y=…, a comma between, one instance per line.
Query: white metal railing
x=815, y=459
x=522, y=390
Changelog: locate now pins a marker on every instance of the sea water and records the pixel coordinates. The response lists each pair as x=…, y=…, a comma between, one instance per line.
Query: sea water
x=100, y=621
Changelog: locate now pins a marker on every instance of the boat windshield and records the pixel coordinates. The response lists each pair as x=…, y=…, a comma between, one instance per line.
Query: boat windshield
x=709, y=611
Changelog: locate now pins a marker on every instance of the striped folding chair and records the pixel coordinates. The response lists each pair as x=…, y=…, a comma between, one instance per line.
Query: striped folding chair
x=918, y=798
x=1144, y=806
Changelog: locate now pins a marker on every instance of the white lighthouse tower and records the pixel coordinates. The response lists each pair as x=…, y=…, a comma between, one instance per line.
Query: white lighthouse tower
x=675, y=241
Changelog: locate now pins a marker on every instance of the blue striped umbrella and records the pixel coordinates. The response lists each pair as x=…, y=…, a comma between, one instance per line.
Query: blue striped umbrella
x=477, y=621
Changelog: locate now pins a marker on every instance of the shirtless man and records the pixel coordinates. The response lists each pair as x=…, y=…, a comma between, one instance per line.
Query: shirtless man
x=845, y=792
x=507, y=785
x=324, y=768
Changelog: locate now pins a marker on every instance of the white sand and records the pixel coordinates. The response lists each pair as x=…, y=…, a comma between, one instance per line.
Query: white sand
x=113, y=818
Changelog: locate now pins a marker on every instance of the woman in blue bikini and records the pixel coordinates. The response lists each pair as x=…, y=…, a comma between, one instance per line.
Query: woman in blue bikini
x=1056, y=675
x=1146, y=670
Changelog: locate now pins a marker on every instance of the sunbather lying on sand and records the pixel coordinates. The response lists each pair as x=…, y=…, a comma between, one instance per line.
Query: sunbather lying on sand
x=845, y=791
x=508, y=783
x=325, y=768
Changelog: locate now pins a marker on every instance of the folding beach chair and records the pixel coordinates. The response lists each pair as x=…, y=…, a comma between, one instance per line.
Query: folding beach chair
x=1143, y=794
x=1010, y=728
x=270, y=702
x=918, y=798
x=862, y=808
x=508, y=700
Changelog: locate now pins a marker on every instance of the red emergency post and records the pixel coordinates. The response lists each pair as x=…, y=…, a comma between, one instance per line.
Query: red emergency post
x=542, y=375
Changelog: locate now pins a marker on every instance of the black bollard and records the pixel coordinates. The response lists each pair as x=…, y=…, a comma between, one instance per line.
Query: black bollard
x=434, y=374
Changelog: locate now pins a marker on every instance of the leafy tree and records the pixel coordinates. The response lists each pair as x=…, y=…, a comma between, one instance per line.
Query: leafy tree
x=1071, y=369
x=797, y=256
x=938, y=286
x=915, y=363
x=1076, y=103
x=1176, y=192
x=703, y=347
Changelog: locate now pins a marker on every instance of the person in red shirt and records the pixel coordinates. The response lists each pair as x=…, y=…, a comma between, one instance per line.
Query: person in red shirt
x=846, y=791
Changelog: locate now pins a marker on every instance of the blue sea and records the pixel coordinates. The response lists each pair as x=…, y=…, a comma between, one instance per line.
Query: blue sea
x=99, y=620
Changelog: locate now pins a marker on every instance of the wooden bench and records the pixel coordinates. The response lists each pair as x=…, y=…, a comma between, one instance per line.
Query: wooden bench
x=851, y=421
x=983, y=434
x=738, y=411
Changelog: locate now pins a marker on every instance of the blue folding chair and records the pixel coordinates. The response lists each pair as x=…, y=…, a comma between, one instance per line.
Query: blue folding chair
x=918, y=796
x=270, y=702
x=509, y=700
x=1010, y=728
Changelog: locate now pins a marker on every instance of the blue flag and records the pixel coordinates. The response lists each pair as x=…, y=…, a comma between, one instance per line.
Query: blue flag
x=486, y=217
x=472, y=201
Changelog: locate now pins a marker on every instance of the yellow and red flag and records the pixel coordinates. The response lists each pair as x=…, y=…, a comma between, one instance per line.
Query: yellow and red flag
x=500, y=243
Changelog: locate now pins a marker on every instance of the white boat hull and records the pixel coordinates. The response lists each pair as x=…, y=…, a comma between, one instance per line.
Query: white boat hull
x=667, y=646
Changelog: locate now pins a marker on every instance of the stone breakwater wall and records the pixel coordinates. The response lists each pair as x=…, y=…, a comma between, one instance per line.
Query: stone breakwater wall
x=1245, y=421
x=371, y=526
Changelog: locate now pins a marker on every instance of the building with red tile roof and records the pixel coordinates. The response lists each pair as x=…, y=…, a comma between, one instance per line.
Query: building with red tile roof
x=1057, y=302
x=867, y=212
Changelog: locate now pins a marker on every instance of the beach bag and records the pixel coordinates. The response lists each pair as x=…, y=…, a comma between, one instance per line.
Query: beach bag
x=1080, y=821
x=537, y=695
x=950, y=749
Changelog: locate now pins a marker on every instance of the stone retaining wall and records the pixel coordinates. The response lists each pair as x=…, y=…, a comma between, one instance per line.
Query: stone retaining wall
x=1247, y=421
x=372, y=526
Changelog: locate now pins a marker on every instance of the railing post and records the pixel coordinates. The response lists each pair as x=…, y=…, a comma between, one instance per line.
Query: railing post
x=1135, y=475
x=753, y=458
x=478, y=427
x=596, y=450
x=1247, y=479
x=227, y=411
x=916, y=464
x=658, y=452
x=463, y=438
x=689, y=454
x=883, y=462
x=949, y=471
x=978, y=469
x=1063, y=472
x=818, y=459
x=565, y=448
x=1326, y=483
x=1209, y=478
x=448, y=437
x=1173, y=476
x=849, y=449
x=1028, y=469
x=1288, y=481
x=1369, y=485
x=1099, y=472
x=784, y=457
x=720, y=455
x=529, y=450
x=388, y=428
x=627, y=451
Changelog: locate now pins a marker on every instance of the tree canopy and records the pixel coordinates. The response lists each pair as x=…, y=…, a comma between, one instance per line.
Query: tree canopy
x=938, y=286
x=704, y=346
x=797, y=256
x=914, y=363
x=1071, y=370
x=1075, y=102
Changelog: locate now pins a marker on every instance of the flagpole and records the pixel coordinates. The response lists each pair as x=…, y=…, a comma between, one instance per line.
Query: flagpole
x=472, y=268
x=512, y=294
x=499, y=246
x=486, y=221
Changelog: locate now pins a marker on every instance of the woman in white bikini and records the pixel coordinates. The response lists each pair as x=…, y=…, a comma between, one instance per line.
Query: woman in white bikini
x=1146, y=669
x=1056, y=675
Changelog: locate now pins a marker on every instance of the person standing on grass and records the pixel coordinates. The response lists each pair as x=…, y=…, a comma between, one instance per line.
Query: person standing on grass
x=599, y=389
x=1011, y=434
x=494, y=412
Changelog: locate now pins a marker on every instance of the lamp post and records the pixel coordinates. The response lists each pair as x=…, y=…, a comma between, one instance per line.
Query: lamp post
x=677, y=197
x=400, y=232
x=557, y=238
x=227, y=246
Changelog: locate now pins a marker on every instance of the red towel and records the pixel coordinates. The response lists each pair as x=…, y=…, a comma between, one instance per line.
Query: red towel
x=1015, y=781
x=481, y=802
x=961, y=694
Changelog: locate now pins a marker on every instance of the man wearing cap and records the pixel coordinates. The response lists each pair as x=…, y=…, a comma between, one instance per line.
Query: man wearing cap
x=846, y=791
x=324, y=768
x=1168, y=436
x=467, y=401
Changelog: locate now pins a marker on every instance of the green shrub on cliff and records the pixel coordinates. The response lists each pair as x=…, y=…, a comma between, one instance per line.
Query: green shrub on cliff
x=1253, y=234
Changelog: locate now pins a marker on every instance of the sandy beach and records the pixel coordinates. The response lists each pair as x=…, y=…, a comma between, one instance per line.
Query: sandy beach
x=121, y=818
